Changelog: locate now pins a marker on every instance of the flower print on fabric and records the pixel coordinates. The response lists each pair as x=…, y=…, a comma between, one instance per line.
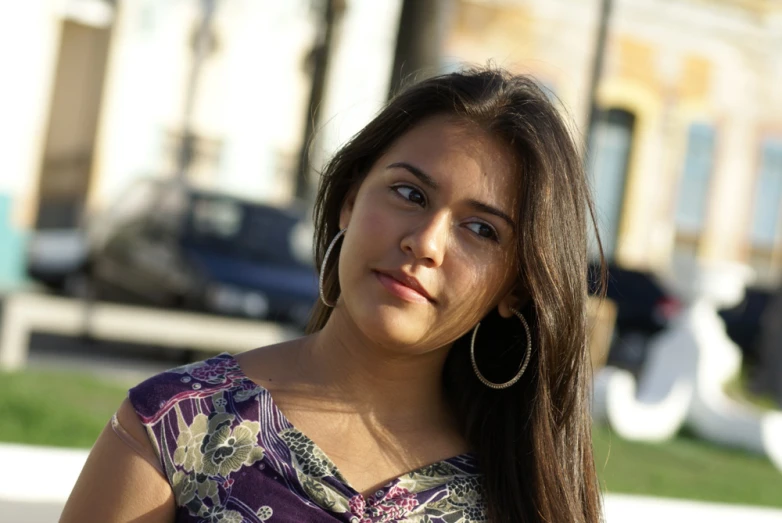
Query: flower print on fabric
x=229, y=449
x=323, y=494
x=220, y=514
x=457, y=497
x=246, y=391
x=314, y=470
x=210, y=371
x=231, y=456
x=265, y=513
x=209, y=445
x=189, y=486
x=393, y=505
x=208, y=451
x=311, y=460
x=464, y=497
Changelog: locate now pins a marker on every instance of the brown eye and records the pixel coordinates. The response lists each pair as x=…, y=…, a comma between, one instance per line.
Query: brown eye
x=411, y=194
x=483, y=230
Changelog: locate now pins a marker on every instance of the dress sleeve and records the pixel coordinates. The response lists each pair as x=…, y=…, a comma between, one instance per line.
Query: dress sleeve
x=174, y=407
x=136, y=446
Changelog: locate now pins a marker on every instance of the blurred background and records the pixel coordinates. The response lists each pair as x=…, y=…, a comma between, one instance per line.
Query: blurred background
x=163, y=155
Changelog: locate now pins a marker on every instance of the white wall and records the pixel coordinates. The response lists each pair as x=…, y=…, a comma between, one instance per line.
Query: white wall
x=251, y=98
x=142, y=93
x=264, y=97
x=359, y=75
x=29, y=36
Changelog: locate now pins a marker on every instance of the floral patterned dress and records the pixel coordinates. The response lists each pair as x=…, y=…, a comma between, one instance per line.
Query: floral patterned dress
x=231, y=456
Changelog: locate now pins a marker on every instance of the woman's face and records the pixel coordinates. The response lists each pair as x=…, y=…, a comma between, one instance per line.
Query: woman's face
x=430, y=242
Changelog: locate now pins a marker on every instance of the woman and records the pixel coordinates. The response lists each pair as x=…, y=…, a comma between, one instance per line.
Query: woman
x=445, y=374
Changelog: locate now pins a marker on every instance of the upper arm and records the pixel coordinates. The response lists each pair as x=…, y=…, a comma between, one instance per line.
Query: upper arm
x=119, y=485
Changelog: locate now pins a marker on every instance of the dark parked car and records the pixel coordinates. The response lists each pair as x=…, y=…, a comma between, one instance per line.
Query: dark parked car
x=644, y=308
x=743, y=322
x=768, y=376
x=166, y=245
x=755, y=325
x=55, y=257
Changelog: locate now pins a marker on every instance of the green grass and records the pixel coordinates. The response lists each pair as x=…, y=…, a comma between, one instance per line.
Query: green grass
x=687, y=468
x=69, y=410
x=55, y=408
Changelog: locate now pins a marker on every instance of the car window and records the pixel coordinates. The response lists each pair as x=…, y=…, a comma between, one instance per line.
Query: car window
x=259, y=233
x=168, y=211
x=133, y=206
x=216, y=217
x=270, y=233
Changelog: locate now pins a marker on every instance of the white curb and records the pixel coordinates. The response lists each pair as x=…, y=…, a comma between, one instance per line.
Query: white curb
x=46, y=475
x=40, y=474
x=621, y=508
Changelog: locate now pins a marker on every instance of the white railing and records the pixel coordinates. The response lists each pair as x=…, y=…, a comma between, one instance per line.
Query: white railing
x=25, y=312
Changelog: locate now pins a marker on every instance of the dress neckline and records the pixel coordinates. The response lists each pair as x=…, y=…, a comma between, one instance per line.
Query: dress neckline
x=468, y=458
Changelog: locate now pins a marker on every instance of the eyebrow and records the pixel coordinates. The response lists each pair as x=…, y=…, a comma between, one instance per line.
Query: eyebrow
x=418, y=173
x=485, y=207
x=432, y=183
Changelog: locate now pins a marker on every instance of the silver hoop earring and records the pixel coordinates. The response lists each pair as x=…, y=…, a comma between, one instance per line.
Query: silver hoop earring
x=522, y=367
x=323, y=267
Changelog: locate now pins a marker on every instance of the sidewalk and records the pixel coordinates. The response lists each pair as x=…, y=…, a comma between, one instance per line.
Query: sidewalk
x=622, y=508
x=27, y=496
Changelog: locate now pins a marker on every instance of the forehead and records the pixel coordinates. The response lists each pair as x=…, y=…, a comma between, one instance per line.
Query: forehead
x=460, y=156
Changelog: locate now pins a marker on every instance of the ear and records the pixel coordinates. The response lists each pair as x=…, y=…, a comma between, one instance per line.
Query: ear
x=515, y=299
x=347, y=209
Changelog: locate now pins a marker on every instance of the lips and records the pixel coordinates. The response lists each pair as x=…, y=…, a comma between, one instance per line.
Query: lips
x=404, y=286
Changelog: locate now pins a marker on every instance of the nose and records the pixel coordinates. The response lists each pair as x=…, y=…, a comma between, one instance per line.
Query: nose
x=427, y=240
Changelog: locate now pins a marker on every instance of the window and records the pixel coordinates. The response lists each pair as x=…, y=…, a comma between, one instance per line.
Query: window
x=694, y=188
x=610, y=147
x=765, y=223
x=766, y=230
x=694, y=192
x=254, y=232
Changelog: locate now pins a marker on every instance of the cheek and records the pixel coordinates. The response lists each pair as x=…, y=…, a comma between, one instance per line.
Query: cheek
x=372, y=224
x=472, y=283
x=478, y=281
x=368, y=239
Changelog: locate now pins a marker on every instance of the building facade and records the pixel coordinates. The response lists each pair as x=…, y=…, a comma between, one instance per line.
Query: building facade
x=686, y=157
x=99, y=95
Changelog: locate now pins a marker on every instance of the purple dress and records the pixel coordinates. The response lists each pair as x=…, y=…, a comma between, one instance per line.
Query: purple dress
x=231, y=456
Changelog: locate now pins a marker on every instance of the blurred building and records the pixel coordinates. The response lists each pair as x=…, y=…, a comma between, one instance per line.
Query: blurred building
x=686, y=157
x=96, y=91
x=687, y=154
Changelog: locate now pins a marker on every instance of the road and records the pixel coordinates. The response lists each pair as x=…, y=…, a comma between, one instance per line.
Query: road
x=121, y=363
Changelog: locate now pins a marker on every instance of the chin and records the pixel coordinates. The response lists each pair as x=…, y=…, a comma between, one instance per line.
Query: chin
x=390, y=326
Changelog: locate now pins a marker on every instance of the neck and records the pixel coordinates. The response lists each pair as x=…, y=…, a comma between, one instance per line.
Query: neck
x=396, y=387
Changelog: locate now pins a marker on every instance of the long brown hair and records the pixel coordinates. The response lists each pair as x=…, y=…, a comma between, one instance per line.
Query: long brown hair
x=532, y=440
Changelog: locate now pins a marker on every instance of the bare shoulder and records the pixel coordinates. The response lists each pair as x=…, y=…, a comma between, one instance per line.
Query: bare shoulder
x=118, y=481
x=130, y=423
x=273, y=365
